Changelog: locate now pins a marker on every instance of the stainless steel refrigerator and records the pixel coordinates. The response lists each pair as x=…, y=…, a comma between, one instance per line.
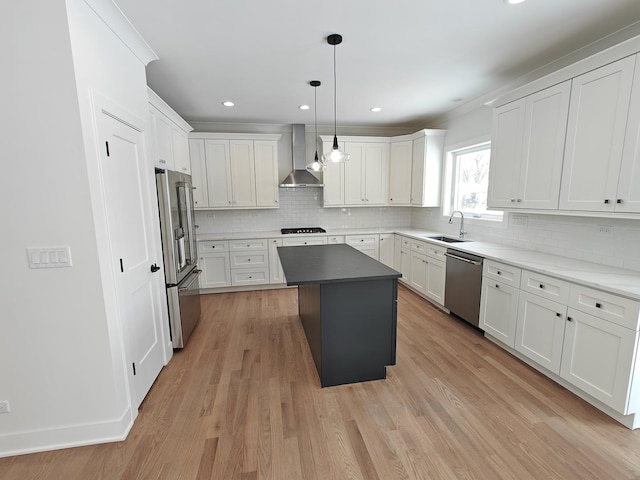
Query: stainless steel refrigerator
x=177, y=225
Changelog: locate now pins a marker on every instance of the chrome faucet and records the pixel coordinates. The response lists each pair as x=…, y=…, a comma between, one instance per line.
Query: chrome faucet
x=462, y=232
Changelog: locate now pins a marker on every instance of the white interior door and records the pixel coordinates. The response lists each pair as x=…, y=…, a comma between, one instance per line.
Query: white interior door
x=127, y=198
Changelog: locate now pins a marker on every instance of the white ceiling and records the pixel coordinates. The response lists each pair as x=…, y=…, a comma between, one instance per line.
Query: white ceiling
x=412, y=58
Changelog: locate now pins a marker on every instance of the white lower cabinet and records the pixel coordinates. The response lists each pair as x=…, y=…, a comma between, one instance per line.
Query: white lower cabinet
x=586, y=337
x=598, y=357
x=540, y=330
x=276, y=275
x=249, y=262
x=418, y=271
x=214, y=262
x=296, y=241
x=499, y=310
x=387, y=250
x=368, y=244
x=335, y=239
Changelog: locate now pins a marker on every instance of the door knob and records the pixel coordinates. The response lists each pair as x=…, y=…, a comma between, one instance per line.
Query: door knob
x=154, y=268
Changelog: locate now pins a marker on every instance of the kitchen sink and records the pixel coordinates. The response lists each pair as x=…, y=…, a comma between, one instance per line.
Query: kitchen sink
x=442, y=238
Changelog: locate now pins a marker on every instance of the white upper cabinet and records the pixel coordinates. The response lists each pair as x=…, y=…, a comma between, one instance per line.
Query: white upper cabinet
x=169, y=136
x=236, y=172
x=333, y=191
x=628, y=196
x=595, y=137
x=527, y=150
x=400, y=164
x=427, y=168
x=365, y=174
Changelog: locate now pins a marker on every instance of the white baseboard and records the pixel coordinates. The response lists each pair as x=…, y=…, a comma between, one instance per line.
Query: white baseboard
x=20, y=443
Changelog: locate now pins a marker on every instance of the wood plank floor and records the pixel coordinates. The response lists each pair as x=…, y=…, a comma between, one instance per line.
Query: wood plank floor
x=243, y=401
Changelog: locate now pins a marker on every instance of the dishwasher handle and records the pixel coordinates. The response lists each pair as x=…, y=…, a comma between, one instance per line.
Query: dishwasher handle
x=466, y=260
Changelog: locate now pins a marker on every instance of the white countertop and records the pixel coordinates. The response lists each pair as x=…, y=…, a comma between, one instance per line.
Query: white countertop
x=603, y=277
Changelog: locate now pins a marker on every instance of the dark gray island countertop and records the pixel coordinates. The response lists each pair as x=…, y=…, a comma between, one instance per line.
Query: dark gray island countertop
x=311, y=264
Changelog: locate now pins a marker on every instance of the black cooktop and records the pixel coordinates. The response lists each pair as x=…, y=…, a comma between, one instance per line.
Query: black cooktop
x=286, y=231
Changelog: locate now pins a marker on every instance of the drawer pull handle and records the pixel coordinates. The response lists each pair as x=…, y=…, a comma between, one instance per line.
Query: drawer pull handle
x=499, y=272
x=598, y=305
x=541, y=285
x=558, y=314
x=213, y=246
x=248, y=259
x=497, y=286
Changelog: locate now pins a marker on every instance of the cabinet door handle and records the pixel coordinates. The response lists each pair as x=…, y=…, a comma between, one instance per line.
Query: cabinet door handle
x=497, y=286
x=598, y=305
x=606, y=200
x=499, y=272
x=619, y=200
x=569, y=319
x=541, y=286
x=519, y=200
x=513, y=199
x=558, y=314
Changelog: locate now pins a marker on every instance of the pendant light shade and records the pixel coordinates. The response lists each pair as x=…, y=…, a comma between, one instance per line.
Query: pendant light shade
x=317, y=165
x=335, y=155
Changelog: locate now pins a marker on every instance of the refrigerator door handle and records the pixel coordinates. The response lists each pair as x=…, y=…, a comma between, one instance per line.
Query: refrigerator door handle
x=188, y=194
x=194, y=277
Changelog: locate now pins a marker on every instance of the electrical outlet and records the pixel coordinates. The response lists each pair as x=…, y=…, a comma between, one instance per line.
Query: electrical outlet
x=605, y=230
x=520, y=220
x=4, y=406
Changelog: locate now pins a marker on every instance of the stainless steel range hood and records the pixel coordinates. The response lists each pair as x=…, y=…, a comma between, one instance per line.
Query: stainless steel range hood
x=299, y=176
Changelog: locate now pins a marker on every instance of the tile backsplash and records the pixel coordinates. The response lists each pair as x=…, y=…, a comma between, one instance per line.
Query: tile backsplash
x=301, y=207
x=607, y=241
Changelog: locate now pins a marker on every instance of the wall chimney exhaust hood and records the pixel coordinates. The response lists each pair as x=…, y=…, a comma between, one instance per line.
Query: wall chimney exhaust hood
x=299, y=176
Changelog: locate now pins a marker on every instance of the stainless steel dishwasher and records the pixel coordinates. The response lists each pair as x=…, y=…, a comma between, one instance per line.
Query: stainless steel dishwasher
x=463, y=284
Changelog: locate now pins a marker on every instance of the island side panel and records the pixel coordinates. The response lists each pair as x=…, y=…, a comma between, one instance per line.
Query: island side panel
x=358, y=330
x=309, y=311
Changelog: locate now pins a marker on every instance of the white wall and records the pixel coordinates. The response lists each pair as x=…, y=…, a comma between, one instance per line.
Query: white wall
x=59, y=366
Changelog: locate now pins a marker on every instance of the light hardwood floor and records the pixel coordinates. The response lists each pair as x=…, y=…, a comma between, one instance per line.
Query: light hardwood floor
x=243, y=401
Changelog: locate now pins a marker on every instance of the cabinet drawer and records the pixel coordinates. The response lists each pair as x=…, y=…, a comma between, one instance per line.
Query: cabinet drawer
x=504, y=273
x=248, y=244
x=249, y=259
x=362, y=240
x=545, y=286
x=294, y=242
x=434, y=251
x=206, y=246
x=418, y=246
x=252, y=276
x=619, y=310
x=405, y=243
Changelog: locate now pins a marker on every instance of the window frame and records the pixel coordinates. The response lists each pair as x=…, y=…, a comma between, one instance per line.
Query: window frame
x=494, y=217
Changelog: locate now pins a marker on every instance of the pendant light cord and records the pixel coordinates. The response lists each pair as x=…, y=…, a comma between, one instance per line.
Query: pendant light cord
x=335, y=94
x=315, y=111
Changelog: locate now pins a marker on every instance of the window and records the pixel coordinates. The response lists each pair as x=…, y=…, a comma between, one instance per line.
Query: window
x=468, y=173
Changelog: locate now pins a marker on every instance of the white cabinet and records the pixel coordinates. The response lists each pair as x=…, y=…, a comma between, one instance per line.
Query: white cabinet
x=365, y=174
x=237, y=172
x=169, y=137
x=266, y=173
x=387, y=249
x=418, y=271
x=436, y=273
x=499, y=301
x=426, y=168
x=595, y=136
x=276, y=275
x=306, y=240
x=214, y=262
x=527, y=150
x=403, y=257
x=249, y=262
x=334, y=239
x=400, y=165
x=540, y=330
x=368, y=244
x=333, y=178
x=628, y=195
x=598, y=357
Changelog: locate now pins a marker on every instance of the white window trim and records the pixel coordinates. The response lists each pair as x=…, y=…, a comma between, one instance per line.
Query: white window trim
x=447, y=182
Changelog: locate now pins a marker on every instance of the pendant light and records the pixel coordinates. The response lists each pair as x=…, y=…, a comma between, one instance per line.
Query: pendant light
x=317, y=165
x=335, y=155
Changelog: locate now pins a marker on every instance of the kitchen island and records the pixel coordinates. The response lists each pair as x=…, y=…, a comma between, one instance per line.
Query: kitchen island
x=347, y=306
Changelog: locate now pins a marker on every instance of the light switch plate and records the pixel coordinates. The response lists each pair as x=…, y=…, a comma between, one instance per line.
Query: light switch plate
x=49, y=257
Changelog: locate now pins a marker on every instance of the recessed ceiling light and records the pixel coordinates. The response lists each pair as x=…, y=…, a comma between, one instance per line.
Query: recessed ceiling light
x=228, y=103
x=513, y=2
x=376, y=109
x=304, y=107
